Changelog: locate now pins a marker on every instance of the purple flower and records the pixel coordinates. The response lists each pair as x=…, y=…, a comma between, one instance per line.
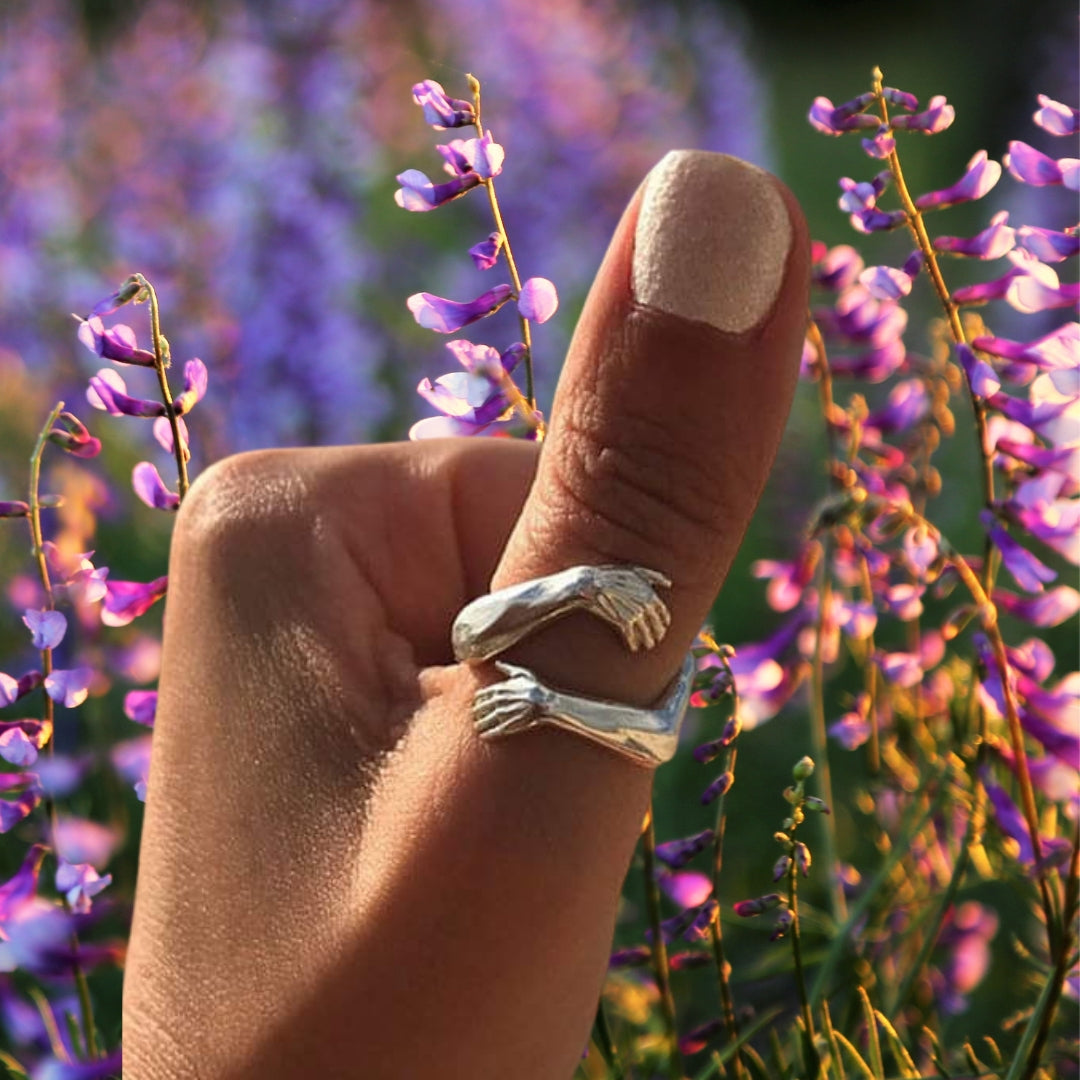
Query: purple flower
x=79, y=883
x=979, y=178
x=1038, y=505
x=20, y=741
x=419, y=194
x=1047, y=245
x=1028, y=572
x=853, y=728
x=758, y=906
x=675, y=854
x=902, y=668
x=103, y=1068
x=46, y=627
x=885, y=282
x=864, y=194
x=965, y=941
x=802, y=858
x=164, y=435
x=486, y=254
x=127, y=600
x=124, y=295
x=441, y=111
x=982, y=377
x=12, y=811
x=13, y=689
x=698, y=1038
x=22, y=885
x=538, y=299
x=131, y=759
x=149, y=486
x=938, y=116
x=14, y=509
x=908, y=403
x=1012, y=823
x=452, y=427
x=900, y=98
x=108, y=392
x=69, y=688
x=1044, y=609
x=79, y=840
x=476, y=397
x=141, y=706
x=117, y=343
x=482, y=156
x=881, y=145
x=688, y=889
x=449, y=316
x=838, y=268
x=1056, y=118
x=859, y=317
x=73, y=437
x=832, y=119
x=195, y=380
x=1031, y=166
x=995, y=240
x=1037, y=287
x=720, y=786
x=635, y=956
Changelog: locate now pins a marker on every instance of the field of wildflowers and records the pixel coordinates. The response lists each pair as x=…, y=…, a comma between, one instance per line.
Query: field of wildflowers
x=914, y=912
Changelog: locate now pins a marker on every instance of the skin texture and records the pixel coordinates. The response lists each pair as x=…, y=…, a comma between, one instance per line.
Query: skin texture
x=338, y=879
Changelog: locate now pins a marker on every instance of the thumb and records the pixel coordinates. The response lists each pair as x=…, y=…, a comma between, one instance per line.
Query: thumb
x=669, y=410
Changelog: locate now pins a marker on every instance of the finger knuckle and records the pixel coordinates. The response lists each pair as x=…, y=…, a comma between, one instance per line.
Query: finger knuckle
x=631, y=485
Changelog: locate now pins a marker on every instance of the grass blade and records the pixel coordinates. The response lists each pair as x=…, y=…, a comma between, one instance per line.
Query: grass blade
x=874, y=1043
x=903, y=1058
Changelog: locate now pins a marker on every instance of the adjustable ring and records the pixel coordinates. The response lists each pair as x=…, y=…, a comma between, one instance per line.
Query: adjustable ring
x=623, y=596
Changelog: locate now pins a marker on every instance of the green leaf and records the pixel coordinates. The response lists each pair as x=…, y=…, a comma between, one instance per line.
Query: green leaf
x=13, y=1068
x=874, y=1047
x=856, y=1058
x=721, y=1057
x=834, y=1046
x=903, y=1058
x=1023, y=1051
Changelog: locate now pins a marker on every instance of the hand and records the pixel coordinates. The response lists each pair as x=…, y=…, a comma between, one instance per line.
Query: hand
x=512, y=705
x=626, y=598
x=337, y=876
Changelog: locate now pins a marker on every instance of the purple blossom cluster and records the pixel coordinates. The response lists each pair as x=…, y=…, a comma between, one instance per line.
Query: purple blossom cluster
x=237, y=156
x=41, y=931
x=971, y=744
x=482, y=400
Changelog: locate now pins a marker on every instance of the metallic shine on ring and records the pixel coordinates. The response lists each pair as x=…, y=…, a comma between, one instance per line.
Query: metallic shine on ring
x=646, y=736
x=624, y=597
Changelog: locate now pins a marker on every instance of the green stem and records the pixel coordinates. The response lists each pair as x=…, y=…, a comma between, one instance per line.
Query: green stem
x=161, y=363
x=813, y=1063
x=85, y=1004
x=727, y=1003
x=659, y=950
x=515, y=277
x=819, y=743
x=952, y=314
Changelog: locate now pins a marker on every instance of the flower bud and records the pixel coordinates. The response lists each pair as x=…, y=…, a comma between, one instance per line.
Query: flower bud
x=783, y=864
x=720, y=786
x=13, y=509
x=818, y=806
x=804, y=769
x=782, y=925
x=802, y=858
x=757, y=906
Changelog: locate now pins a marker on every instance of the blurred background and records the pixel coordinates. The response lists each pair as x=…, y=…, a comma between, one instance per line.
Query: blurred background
x=242, y=156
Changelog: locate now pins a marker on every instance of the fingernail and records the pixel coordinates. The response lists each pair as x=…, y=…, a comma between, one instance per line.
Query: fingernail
x=712, y=240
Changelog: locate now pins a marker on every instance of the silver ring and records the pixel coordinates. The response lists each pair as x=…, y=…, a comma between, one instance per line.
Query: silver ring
x=645, y=736
x=624, y=597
